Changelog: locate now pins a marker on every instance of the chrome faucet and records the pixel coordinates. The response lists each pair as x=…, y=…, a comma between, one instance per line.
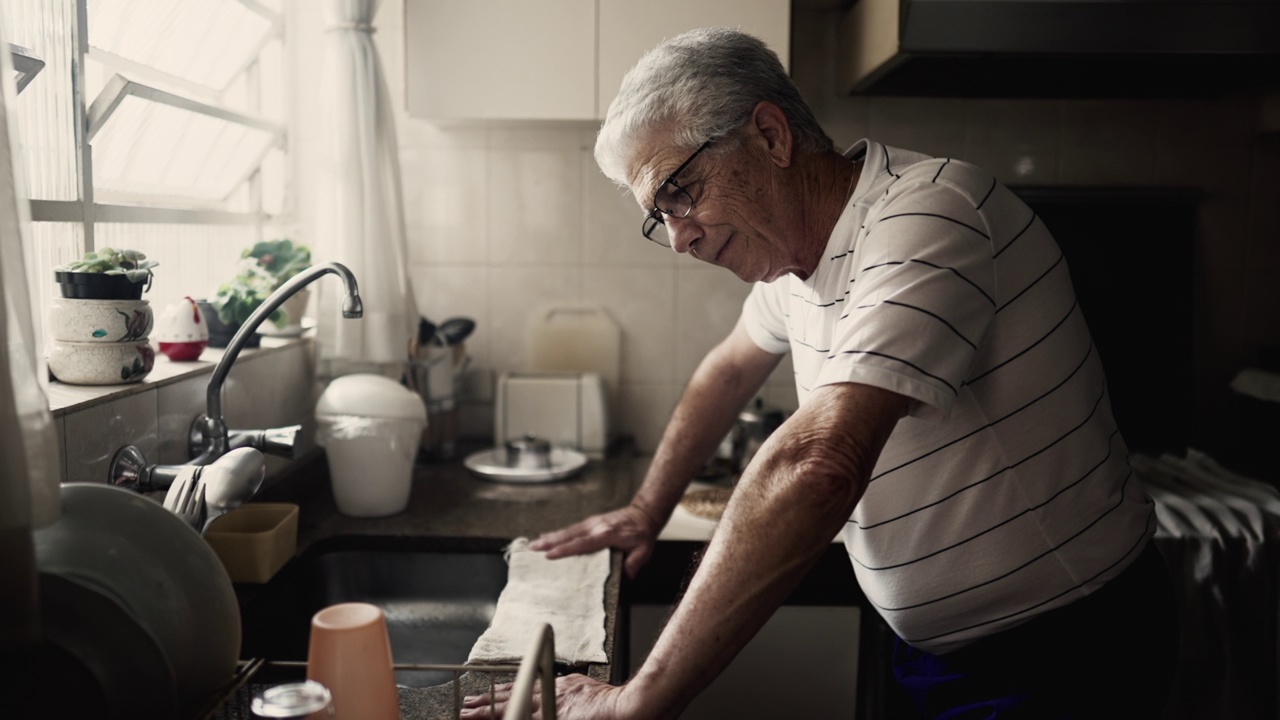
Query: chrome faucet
x=210, y=439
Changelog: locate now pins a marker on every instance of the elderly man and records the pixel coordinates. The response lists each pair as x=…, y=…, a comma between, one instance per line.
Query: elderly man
x=954, y=426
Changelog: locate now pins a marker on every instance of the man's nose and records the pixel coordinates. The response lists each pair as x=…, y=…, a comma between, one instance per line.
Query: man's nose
x=683, y=233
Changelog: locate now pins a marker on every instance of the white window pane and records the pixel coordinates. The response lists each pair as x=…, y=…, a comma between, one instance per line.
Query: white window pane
x=206, y=42
x=194, y=259
x=44, y=114
x=50, y=245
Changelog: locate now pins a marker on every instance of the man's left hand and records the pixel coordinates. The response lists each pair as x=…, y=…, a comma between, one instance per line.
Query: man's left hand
x=578, y=697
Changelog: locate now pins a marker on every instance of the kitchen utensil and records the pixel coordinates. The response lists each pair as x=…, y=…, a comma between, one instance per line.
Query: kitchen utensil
x=165, y=577
x=182, y=331
x=529, y=453
x=455, y=330
x=101, y=321
x=350, y=653
x=230, y=481
x=576, y=339
x=753, y=427
x=294, y=701
x=426, y=332
x=492, y=464
x=371, y=428
x=255, y=540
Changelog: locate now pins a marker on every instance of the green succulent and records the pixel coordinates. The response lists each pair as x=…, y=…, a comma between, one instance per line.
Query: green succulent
x=109, y=261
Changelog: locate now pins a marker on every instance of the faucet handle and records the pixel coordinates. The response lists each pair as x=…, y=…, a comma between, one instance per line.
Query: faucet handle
x=279, y=441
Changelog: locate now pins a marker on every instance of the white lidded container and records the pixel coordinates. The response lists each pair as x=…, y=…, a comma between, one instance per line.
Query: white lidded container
x=370, y=427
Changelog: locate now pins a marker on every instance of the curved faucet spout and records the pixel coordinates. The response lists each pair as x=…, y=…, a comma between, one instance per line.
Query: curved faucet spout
x=214, y=427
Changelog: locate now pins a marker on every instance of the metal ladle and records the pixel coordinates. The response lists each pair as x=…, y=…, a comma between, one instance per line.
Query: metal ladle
x=230, y=481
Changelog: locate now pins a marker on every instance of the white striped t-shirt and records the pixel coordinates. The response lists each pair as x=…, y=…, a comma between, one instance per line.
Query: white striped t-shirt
x=1006, y=492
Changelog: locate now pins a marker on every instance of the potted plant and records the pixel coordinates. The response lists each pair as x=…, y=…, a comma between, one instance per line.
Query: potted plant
x=236, y=300
x=282, y=259
x=106, y=274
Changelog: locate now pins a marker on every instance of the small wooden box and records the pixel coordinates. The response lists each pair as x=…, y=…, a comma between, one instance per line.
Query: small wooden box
x=254, y=541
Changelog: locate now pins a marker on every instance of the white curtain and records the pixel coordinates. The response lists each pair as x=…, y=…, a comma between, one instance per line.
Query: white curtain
x=362, y=221
x=29, y=466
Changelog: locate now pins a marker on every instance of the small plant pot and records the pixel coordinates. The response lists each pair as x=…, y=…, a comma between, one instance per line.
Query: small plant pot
x=98, y=286
x=220, y=333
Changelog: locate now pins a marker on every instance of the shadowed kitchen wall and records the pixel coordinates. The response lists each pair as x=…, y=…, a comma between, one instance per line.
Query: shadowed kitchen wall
x=504, y=219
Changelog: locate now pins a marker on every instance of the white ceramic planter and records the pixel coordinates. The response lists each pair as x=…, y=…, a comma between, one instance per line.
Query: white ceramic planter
x=100, y=321
x=99, y=363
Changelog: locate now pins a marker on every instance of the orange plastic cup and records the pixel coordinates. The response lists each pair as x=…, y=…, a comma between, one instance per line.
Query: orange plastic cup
x=350, y=654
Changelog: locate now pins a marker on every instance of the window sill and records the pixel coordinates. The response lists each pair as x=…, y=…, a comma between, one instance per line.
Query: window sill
x=64, y=398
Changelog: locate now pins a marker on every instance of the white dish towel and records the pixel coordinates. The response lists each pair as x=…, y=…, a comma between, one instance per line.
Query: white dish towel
x=567, y=593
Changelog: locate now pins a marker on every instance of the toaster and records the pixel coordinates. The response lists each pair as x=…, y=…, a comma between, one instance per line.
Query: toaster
x=565, y=409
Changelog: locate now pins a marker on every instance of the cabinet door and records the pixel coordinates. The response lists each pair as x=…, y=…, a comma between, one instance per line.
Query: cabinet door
x=629, y=29
x=500, y=59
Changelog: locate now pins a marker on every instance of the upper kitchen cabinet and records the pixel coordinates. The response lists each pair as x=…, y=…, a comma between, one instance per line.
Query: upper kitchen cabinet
x=553, y=59
x=501, y=59
x=628, y=29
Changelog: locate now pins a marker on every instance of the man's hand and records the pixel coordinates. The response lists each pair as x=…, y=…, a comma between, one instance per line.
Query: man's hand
x=629, y=529
x=577, y=696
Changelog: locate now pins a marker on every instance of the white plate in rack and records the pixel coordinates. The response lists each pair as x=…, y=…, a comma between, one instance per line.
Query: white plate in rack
x=492, y=464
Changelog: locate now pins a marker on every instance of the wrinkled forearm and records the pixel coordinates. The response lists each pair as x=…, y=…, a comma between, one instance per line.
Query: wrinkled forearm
x=785, y=511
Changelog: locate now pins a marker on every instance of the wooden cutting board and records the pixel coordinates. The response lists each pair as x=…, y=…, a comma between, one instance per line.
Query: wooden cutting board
x=577, y=338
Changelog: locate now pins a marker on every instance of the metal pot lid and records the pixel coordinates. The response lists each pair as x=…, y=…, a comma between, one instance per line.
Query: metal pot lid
x=492, y=464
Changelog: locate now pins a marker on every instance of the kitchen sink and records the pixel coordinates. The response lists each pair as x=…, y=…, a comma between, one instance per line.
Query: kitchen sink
x=439, y=596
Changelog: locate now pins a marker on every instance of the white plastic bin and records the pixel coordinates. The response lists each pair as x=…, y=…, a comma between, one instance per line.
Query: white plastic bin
x=370, y=427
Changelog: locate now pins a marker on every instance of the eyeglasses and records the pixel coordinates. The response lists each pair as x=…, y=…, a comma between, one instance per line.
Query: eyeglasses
x=671, y=200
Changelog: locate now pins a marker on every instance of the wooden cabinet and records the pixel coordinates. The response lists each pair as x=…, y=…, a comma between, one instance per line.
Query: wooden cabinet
x=500, y=59
x=552, y=59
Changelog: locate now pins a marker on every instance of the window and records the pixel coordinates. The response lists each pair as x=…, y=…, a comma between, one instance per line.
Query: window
x=158, y=126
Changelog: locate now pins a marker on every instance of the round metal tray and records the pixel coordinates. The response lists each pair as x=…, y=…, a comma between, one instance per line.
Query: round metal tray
x=492, y=464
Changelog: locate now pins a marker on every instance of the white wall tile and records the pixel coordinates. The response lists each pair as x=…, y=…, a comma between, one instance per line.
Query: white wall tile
x=517, y=296
x=642, y=302
x=645, y=411
x=535, y=196
x=446, y=208
x=94, y=434
x=708, y=302
x=178, y=405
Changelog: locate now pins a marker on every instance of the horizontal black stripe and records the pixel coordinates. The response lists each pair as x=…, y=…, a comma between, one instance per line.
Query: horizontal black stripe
x=975, y=431
x=935, y=177
x=837, y=257
x=935, y=316
x=932, y=215
x=992, y=476
x=1023, y=566
x=1074, y=304
x=885, y=150
x=811, y=347
x=988, y=195
x=883, y=264
x=1006, y=521
x=917, y=368
x=1132, y=549
x=817, y=304
x=959, y=275
x=1035, y=282
x=1015, y=237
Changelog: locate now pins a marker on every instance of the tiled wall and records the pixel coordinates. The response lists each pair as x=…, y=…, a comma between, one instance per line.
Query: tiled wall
x=504, y=220
x=265, y=389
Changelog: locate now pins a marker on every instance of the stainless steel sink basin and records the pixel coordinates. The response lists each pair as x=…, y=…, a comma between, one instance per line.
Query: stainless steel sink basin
x=438, y=596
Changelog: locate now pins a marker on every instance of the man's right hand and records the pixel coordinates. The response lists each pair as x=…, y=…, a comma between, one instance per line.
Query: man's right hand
x=628, y=529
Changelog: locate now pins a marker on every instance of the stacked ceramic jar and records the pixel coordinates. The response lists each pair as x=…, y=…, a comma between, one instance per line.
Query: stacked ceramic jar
x=100, y=342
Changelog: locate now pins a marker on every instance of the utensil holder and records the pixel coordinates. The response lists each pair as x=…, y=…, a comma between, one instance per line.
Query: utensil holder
x=254, y=541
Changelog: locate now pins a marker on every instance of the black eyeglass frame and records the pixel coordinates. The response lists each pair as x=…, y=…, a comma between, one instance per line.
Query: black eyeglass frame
x=654, y=218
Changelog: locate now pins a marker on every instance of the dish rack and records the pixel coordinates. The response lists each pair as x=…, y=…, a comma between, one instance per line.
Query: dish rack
x=537, y=665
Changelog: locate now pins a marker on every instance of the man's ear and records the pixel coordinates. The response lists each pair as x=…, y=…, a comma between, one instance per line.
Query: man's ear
x=771, y=124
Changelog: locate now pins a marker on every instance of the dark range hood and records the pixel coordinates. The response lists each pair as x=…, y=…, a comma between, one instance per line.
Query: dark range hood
x=1060, y=48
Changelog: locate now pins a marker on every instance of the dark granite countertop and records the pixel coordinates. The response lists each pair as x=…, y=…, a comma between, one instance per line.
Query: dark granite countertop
x=449, y=502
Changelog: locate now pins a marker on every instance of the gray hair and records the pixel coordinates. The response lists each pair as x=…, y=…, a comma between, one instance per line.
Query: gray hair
x=699, y=86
